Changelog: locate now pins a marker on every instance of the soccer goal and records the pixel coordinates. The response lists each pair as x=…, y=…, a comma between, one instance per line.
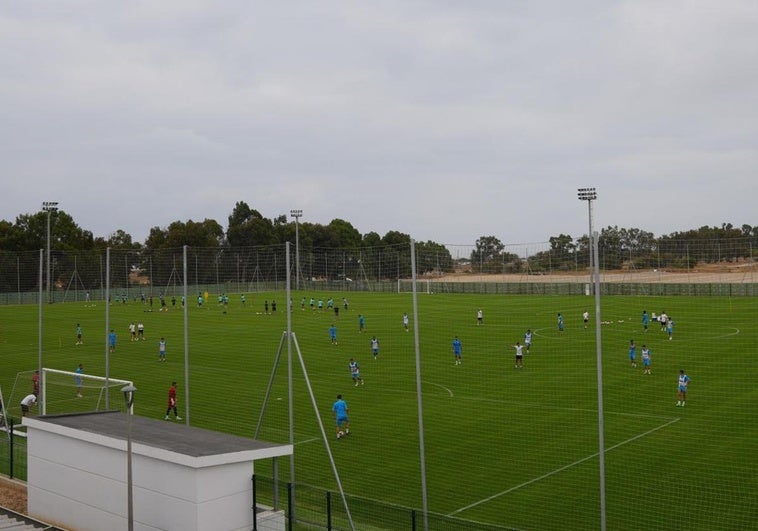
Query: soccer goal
x=72, y=392
x=406, y=286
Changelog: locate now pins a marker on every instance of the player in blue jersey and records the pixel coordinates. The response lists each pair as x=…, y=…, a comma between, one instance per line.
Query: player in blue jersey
x=340, y=410
x=457, y=350
x=632, y=353
x=355, y=372
x=333, y=334
x=670, y=328
x=112, y=341
x=162, y=349
x=560, y=323
x=78, y=380
x=361, y=323
x=681, y=392
x=646, y=360
x=645, y=320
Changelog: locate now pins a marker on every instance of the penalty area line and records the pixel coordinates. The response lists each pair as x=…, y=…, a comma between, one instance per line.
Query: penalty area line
x=449, y=392
x=561, y=469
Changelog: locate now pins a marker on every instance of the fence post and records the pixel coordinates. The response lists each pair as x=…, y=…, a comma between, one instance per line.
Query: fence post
x=10, y=449
x=329, y=510
x=413, y=519
x=255, y=504
x=290, y=509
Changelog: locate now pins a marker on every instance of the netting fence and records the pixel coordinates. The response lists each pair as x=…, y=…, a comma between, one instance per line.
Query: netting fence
x=140, y=275
x=505, y=448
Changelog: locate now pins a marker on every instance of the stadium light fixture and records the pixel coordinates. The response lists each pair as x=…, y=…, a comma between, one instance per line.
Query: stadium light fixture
x=49, y=207
x=129, y=392
x=297, y=214
x=589, y=195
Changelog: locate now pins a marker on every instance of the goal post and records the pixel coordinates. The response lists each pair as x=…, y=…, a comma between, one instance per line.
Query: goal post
x=406, y=286
x=69, y=392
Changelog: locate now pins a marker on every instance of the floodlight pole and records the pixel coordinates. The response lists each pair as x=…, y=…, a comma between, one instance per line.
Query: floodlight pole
x=129, y=391
x=589, y=195
x=49, y=206
x=297, y=214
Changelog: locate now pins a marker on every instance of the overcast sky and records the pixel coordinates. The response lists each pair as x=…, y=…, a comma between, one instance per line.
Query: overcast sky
x=443, y=120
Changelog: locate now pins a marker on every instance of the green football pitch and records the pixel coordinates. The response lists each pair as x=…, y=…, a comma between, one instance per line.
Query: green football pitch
x=513, y=447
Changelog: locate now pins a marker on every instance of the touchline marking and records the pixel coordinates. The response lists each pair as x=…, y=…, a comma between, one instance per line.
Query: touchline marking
x=307, y=441
x=557, y=470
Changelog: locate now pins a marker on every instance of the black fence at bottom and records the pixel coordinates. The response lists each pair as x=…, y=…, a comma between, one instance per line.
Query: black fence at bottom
x=309, y=507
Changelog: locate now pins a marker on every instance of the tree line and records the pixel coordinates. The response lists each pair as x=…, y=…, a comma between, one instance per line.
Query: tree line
x=247, y=227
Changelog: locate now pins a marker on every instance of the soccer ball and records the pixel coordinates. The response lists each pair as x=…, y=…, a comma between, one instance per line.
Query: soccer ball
x=340, y=434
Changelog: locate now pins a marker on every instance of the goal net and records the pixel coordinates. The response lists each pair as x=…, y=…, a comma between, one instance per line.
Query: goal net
x=64, y=392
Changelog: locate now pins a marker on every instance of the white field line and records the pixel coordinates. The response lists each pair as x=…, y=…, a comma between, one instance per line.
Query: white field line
x=561, y=469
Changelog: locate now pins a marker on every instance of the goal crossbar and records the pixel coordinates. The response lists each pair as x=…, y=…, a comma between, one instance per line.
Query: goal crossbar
x=75, y=383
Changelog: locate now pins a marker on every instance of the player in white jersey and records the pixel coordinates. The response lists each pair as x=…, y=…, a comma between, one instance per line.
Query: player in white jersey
x=519, y=355
x=528, y=339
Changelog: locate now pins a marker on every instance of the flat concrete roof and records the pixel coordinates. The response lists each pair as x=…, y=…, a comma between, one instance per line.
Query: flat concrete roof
x=167, y=435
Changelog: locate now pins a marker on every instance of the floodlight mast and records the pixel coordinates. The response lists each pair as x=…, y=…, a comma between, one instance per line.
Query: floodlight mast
x=49, y=206
x=297, y=214
x=589, y=195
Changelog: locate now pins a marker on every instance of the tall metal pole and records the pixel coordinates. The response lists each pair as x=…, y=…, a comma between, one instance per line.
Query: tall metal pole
x=422, y=451
x=589, y=195
x=297, y=214
x=49, y=206
x=129, y=391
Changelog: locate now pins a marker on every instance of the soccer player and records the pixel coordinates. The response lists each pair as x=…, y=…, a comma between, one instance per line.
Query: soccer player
x=457, y=350
x=406, y=321
x=528, y=339
x=273, y=306
x=375, y=346
x=112, y=341
x=265, y=307
x=344, y=303
x=141, y=331
x=35, y=384
x=633, y=353
x=586, y=318
x=340, y=415
x=479, y=317
x=333, y=334
x=519, y=355
x=361, y=323
x=663, y=319
x=645, y=320
x=302, y=303
x=78, y=380
x=133, y=331
x=670, y=328
x=560, y=323
x=26, y=403
x=355, y=372
x=162, y=349
x=172, y=402
x=681, y=394
x=646, y=360
x=243, y=299
x=79, y=340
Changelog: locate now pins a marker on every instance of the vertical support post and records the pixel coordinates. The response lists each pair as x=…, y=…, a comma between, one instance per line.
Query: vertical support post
x=422, y=455
x=187, y=407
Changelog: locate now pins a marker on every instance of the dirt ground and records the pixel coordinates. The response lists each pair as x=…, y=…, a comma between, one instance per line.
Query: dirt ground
x=13, y=495
x=747, y=273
